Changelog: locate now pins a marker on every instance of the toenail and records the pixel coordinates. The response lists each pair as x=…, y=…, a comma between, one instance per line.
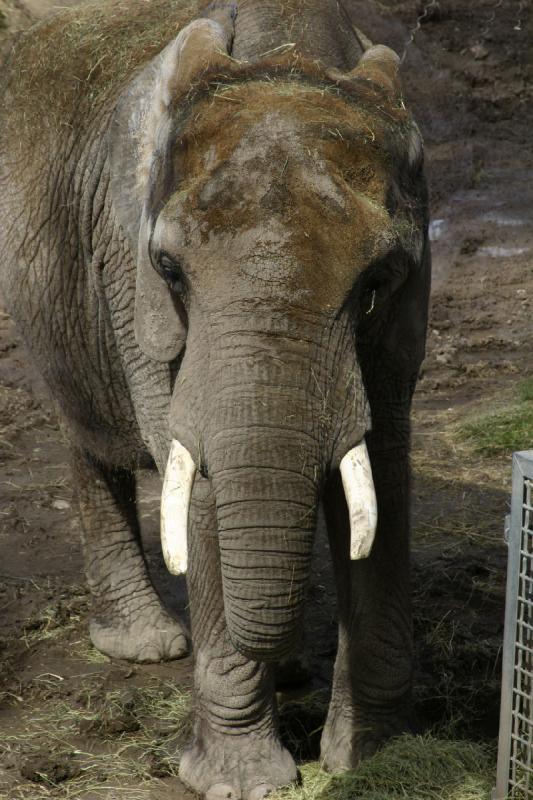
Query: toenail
x=221, y=791
x=263, y=790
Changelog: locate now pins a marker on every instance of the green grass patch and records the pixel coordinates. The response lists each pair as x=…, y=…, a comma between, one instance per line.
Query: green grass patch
x=525, y=390
x=506, y=429
x=409, y=767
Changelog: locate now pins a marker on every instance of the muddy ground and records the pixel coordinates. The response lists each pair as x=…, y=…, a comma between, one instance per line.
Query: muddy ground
x=73, y=723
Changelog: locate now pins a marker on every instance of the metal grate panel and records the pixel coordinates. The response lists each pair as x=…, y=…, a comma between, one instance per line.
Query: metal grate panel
x=515, y=748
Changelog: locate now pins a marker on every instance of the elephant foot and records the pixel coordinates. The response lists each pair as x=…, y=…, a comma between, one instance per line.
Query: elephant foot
x=236, y=766
x=145, y=634
x=351, y=735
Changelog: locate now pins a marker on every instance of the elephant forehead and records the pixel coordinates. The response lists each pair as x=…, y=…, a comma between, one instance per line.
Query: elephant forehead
x=261, y=157
x=285, y=134
x=286, y=203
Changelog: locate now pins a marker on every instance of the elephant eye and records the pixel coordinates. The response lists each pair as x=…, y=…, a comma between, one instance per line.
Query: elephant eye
x=171, y=272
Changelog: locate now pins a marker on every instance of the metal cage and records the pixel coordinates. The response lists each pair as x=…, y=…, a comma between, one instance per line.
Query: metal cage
x=515, y=747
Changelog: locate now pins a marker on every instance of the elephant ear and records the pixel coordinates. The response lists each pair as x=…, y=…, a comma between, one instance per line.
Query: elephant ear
x=142, y=167
x=378, y=64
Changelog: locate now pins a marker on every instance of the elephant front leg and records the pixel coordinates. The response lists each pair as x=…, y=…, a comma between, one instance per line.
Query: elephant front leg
x=127, y=619
x=373, y=668
x=235, y=751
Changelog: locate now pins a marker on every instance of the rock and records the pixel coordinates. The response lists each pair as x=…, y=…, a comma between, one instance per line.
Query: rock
x=479, y=51
x=61, y=505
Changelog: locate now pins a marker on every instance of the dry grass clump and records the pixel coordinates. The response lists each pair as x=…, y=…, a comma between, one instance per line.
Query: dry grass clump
x=56, y=620
x=85, y=651
x=457, y=528
x=409, y=767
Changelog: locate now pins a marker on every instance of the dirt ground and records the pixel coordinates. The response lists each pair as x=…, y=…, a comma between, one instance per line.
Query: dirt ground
x=73, y=723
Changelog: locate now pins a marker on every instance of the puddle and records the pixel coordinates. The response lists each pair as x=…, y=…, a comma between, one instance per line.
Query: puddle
x=503, y=252
x=437, y=228
x=493, y=216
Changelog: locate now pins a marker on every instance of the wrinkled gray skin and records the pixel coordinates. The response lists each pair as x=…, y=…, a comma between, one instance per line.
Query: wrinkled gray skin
x=261, y=366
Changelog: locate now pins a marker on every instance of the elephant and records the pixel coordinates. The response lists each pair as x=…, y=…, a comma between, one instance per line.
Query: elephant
x=214, y=244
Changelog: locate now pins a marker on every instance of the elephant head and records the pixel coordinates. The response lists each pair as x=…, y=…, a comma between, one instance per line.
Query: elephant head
x=272, y=209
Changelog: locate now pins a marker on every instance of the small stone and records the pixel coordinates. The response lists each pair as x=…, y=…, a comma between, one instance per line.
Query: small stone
x=479, y=51
x=61, y=505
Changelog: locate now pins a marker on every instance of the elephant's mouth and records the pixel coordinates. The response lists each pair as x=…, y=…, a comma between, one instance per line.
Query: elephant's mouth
x=356, y=473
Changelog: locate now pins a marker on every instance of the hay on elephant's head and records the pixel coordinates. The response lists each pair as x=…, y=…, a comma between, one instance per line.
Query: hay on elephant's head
x=78, y=57
x=69, y=65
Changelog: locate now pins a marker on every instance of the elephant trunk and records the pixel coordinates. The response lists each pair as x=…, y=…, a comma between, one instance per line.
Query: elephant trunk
x=285, y=404
x=266, y=493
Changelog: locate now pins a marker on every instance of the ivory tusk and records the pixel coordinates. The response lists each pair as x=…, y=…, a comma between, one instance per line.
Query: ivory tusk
x=175, y=500
x=356, y=474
